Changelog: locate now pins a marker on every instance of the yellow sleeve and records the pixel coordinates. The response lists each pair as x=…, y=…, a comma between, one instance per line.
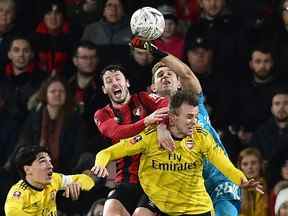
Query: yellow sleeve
x=125, y=147
x=12, y=211
x=14, y=203
x=84, y=180
x=218, y=158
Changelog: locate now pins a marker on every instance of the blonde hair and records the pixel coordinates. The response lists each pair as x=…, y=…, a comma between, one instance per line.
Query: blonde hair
x=251, y=151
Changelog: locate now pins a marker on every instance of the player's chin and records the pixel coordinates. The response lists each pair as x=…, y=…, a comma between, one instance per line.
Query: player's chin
x=189, y=132
x=48, y=179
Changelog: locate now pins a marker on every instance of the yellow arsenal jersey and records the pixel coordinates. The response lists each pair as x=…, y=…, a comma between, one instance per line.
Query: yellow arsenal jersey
x=24, y=200
x=173, y=181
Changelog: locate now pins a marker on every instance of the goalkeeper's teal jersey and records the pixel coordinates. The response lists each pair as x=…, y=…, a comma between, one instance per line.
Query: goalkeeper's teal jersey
x=218, y=186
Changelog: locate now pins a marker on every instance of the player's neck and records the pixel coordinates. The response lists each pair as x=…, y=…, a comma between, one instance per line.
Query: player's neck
x=34, y=185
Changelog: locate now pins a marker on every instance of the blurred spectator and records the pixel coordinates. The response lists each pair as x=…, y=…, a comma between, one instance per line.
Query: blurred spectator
x=280, y=39
x=22, y=75
x=199, y=54
x=139, y=69
x=278, y=187
x=113, y=28
x=21, y=80
x=170, y=41
x=55, y=124
x=83, y=12
x=87, y=91
x=253, y=100
x=272, y=136
x=187, y=11
x=252, y=202
x=217, y=21
x=53, y=38
x=281, y=205
x=277, y=170
x=7, y=28
x=9, y=126
x=253, y=11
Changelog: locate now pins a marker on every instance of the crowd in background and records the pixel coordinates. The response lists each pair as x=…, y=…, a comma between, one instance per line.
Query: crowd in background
x=52, y=53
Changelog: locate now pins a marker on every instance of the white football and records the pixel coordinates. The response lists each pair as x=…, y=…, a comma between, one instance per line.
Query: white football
x=147, y=23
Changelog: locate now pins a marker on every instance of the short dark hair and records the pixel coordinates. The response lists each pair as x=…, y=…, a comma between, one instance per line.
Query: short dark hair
x=158, y=65
x=48, y=5
x=263, y=47
x=113, y=67
x=20, y=37
x=280, y=90
x=181, y=97
x=25, y=155
x=83, y=44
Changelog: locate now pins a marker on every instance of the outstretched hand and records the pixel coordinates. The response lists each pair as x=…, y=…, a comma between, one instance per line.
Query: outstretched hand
x=99, y=171
x=137, y=42
x=165, y=139
x=72, y=191
x=156, y=117
x=252, y=183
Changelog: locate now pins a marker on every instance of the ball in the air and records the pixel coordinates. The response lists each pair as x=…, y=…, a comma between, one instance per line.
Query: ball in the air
x=147, y=23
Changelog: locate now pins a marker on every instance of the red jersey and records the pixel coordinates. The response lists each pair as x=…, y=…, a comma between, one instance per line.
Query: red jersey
x=124, y=122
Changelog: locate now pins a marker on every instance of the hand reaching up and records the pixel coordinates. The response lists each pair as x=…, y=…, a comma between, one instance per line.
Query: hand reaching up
x=252, y=183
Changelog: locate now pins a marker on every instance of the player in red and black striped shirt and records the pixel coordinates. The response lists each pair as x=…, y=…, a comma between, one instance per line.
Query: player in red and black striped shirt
x=124, y=117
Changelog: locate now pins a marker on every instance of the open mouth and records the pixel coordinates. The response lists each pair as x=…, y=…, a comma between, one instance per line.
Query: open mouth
x=166, y=82
x=117, y=92
x=50, y=173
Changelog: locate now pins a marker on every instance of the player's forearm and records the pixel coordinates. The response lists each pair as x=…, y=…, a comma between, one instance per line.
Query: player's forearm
x=15, y=211
x=85, y=180
x=117, y=151
x=188, y=79
x=117, y=132
x=222, y=163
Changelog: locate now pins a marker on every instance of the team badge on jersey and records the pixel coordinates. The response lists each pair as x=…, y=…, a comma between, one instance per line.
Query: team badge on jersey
x=190, y=144
x=17, y=194
x=135, y=139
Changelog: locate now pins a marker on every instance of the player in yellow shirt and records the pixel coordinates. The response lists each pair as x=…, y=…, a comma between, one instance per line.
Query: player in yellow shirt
x=173, y=182
x=35, y=194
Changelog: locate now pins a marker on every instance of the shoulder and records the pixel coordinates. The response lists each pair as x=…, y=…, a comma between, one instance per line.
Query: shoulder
x=146, y=134
x=151, y=97
x=18, y=191
x=93, y=25
x=149, y=130
x=201, y=131
x=103, y=112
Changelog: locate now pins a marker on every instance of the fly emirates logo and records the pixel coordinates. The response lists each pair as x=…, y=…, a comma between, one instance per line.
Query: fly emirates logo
x=174, y=163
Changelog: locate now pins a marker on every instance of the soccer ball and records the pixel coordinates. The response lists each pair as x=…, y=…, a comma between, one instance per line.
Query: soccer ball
x=147, y=23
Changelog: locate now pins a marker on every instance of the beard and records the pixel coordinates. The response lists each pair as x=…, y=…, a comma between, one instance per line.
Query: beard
x=120, y=100
x=281, y=119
